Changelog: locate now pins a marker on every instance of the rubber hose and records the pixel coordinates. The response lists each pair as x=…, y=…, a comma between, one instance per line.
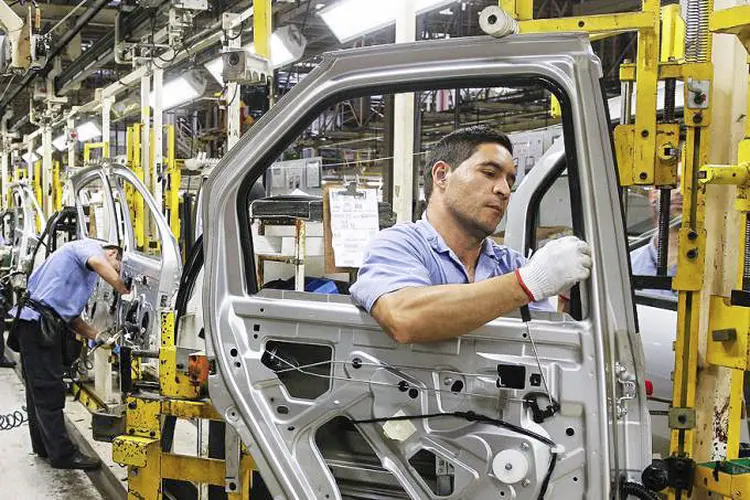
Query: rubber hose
x=637, y=490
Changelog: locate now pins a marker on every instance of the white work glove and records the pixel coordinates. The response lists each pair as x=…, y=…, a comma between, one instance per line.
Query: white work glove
x=556, y=267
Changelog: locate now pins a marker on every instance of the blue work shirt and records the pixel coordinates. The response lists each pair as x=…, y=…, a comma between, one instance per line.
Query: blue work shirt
x=643, y=262
x=64, y=282
x=413, y=254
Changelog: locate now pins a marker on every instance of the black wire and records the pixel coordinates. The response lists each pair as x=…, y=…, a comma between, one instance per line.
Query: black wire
x=239, y=32
x=476, y=417
x=13, y=419
x=471, y=417
x=233, y=95
x=548, y=475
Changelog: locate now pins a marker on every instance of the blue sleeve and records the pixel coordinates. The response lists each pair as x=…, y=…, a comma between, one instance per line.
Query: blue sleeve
x=85, y=249
x=391, y=262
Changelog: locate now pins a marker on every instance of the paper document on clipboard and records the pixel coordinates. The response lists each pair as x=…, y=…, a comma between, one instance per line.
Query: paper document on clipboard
x=354, y=222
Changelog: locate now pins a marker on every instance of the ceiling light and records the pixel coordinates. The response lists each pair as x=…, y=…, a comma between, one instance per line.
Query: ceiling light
x=287, y=46
x=180, y=90
x=87, y=131
x=40, y=150
x=60, y=143
x=30, y=157
x=350, y=19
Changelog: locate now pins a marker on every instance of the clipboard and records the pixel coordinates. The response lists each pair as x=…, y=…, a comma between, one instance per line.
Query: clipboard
x=352, y=189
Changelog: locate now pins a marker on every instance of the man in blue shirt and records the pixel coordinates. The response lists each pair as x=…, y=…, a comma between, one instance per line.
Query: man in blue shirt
x=63, y=283
x=442, y=276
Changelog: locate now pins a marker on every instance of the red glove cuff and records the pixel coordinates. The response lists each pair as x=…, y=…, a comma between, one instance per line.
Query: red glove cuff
x=524, y=287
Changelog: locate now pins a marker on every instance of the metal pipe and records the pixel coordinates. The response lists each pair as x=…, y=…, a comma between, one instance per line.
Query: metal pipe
x=626, y=100
x=63, y=42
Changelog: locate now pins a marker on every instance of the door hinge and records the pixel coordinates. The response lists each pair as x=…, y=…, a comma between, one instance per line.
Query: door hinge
x=628, y=389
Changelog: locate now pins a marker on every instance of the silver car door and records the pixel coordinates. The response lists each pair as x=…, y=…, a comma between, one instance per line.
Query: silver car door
x=156, y=273
x=28, y=223
x=96, y=221
x=258, y=339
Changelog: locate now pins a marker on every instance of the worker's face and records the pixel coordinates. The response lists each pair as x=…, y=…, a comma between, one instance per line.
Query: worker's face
x=477, y=191
x=675, y=205
x=114, y=260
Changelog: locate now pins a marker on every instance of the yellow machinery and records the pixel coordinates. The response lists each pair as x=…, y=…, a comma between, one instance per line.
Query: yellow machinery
x=93, y=146
x=179, y=397
x=647, y=155
x=144, y=447
x=135, y=202
x=172, y=191
x=56, y=187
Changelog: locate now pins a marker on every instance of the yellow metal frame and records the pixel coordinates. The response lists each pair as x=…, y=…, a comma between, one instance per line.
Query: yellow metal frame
x=57, y=193
x=172, y=192
x=135, y=201
x=93, y=146
x=642, y=160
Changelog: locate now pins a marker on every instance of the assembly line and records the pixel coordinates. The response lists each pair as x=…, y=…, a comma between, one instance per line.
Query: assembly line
x=360, y=249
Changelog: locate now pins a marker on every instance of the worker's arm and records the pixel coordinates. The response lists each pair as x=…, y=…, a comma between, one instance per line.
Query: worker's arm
x=103, y=268
x=83, y=328
x=441, y=312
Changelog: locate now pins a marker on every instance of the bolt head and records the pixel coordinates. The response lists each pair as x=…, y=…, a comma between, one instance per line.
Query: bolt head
x=525, y=483
x=524, y=446
x=509, y=466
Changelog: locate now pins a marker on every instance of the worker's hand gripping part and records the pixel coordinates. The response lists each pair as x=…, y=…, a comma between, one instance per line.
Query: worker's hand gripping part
x=443, y=276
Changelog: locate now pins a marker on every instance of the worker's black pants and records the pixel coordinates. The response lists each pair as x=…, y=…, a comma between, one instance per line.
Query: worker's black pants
x=45, y=392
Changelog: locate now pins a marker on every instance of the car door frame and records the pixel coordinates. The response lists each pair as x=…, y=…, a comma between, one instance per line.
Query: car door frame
x=169, y=266
x=404, y=68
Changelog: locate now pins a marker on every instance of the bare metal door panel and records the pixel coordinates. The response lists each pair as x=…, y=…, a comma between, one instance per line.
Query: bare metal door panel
x=155, y=278
x=290, y=364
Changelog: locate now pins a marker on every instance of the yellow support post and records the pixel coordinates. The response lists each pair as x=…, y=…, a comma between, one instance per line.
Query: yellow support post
x=92, y=146
x=138, y=223
x=172, y=194
x=729, y=327
x=56, y=187
x=174, y=383
x=262, y=28
x=672, y=34
x=521, y=10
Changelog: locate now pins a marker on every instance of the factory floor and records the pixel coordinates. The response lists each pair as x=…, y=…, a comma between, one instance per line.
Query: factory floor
x=24, y=475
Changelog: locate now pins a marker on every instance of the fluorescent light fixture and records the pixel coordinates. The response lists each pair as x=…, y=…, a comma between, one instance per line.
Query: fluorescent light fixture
x=30, y=157
x=39, y=150
x=287, y=45
x=60, y=143
x=87, y=131
x=180, y=90
x=349, y=19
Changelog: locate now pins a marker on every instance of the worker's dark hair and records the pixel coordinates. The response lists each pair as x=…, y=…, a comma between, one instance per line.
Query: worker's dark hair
x=459, y=145
x=114, y=247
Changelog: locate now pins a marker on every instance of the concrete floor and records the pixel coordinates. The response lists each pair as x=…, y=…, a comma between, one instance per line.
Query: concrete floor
x=24, y=475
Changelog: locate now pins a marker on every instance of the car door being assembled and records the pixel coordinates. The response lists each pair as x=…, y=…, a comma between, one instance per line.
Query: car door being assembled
x=29, y=221
x=493, y=414
x=103, y=213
